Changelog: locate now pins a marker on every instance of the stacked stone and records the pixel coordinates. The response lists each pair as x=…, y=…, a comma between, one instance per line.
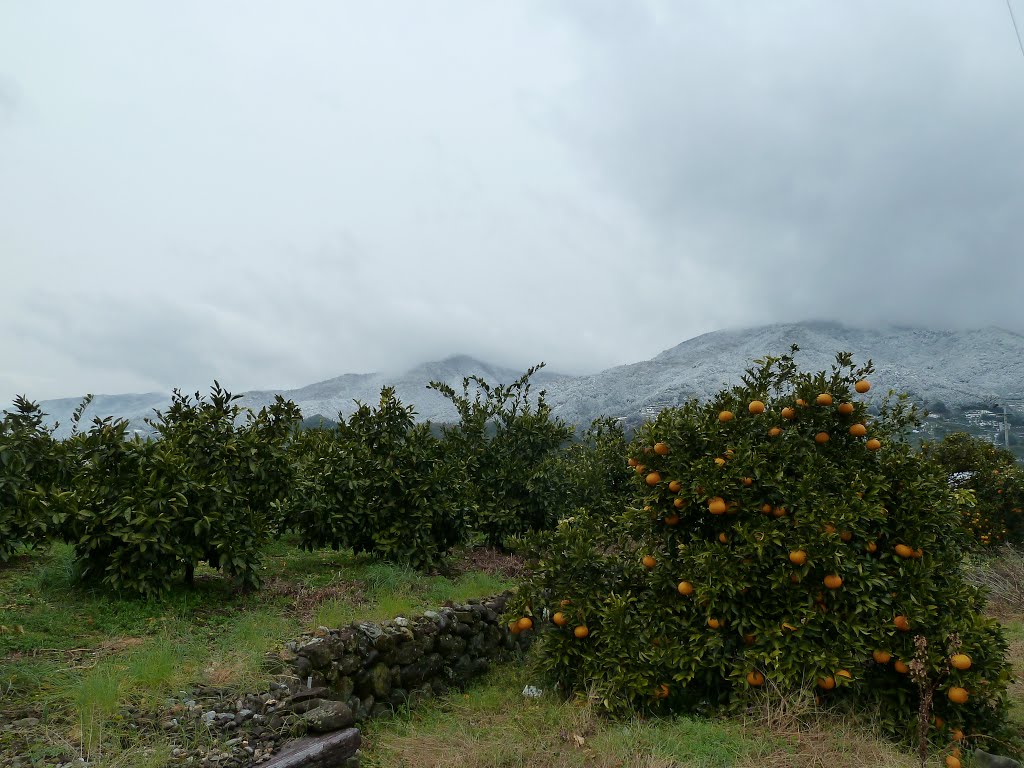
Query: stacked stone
x=344, y=676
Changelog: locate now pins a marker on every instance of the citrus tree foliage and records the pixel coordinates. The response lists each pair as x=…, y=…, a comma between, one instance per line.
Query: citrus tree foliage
x=30, y=473
x=510, y=447
x=772, y=543
x=593, y=469
x=994, y=477
x=379, y=483
x=145, y=511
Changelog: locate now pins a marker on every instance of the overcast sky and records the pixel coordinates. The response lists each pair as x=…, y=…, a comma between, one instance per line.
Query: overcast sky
x=274, y=193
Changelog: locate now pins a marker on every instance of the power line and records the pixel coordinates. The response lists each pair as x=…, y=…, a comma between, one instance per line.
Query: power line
x=1015, y=28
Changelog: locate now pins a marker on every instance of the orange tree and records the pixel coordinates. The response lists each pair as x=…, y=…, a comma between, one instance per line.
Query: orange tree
x=139, y=512
x=32, y=470
x=995, y=480
x=379, y=483
x=779, y=536
x=592, y=469
x=511, y=450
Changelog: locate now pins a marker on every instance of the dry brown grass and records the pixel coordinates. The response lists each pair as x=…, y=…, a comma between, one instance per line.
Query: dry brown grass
x=1001, y=574
x=819, y=738
x=487, y=560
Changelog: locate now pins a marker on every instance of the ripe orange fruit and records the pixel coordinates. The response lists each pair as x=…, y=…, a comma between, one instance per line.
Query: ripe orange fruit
x=939, y=722
x=720, y=461
x=513, y=627
x=748, y=481
x=827, y=683
x=832, y=581
x=823, y=399
x=756, y=407
x=672, y=519
x=871, y=547
x=960, y=661
x=821, y=438
x=957, y=734
x=723, y=538
x=565, y=603
x=678, y=503
x=904, y=551
x=725, y=416
x=581, y=631
x=640, y=469
x=858, y=430
x=798, y=557
x=675, y=486
x=845, y=409
x=661, y=449
x=766, y=508
x=918, y=553
x=788, y=413
x=648, y=561
x=685, y=588
x=829, y=528
x=862, y=386
x=661, y=692
x=846, y=536
x=525, y=623
x=881, y=657
x=801, y=402
x=755, y=678
x=953, y=762
x=774, y=432
x=779, y=512
x=653, y=478
x=717, y=506
x=559, y=619
x=873, y=444
x=901, y=623
x=715, y=623
x=958, y=695
x=900, y=667
x=844, y=673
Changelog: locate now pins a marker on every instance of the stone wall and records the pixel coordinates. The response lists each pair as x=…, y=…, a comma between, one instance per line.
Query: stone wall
x=344, y=676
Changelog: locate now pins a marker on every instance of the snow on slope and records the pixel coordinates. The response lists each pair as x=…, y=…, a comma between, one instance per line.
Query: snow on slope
x=958, y=369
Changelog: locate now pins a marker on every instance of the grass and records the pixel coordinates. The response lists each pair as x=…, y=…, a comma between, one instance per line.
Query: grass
x=494, y=726
x=74, y=657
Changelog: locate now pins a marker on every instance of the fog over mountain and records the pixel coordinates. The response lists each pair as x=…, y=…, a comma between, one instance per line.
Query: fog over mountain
x=942, y=370
x=272, y=194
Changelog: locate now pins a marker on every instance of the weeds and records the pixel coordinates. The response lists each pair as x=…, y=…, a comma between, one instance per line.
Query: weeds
x=1000, y=573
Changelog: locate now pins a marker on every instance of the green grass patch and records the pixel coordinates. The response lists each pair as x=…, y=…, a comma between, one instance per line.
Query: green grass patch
x=493, y=725
x=74, y=656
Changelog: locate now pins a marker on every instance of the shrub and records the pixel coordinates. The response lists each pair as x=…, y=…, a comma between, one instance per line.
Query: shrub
x=593, y=468
x=144, y=511
x=757, y=552
x=510, y=450
x=996, y=480
x=30, y=473
x=381, y=484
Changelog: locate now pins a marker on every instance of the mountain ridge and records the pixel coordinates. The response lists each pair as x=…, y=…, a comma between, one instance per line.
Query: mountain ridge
x=940, y=368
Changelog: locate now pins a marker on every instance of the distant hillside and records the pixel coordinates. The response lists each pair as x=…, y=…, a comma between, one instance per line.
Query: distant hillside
x=958, y=375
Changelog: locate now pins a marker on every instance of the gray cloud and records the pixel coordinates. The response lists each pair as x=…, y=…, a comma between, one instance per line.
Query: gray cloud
x=860, y=162
x=284, y=195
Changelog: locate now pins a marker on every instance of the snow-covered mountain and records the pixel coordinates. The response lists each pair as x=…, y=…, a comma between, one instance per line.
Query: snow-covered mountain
x=942, y=370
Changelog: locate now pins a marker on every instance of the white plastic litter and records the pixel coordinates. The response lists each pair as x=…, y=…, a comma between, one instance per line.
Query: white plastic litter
x=532, y=692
